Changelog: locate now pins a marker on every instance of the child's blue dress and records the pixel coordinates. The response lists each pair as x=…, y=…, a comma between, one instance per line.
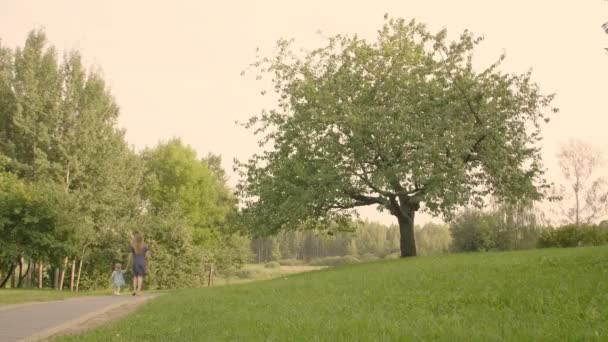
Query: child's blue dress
x=119, y=280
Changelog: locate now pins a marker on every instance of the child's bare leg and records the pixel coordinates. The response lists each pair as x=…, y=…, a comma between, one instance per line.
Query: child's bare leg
x=140, y=281
x=135, y=284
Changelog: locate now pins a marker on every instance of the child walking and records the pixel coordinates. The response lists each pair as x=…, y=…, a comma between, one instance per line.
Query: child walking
x=117, y=279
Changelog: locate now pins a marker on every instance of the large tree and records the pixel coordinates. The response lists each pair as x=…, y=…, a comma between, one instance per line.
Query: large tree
x=406, y=123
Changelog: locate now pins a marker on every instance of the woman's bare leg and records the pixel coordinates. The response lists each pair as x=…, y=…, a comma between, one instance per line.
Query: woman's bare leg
x=134, y=284
x=140, y=281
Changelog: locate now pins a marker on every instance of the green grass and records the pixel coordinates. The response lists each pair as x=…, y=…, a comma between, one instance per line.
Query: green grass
x=15, y=296
x=539, y=295
x=256, y=272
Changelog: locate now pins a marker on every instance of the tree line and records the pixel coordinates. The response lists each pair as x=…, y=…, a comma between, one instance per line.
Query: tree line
x=405, y=123
x=499, y=228
x=72, y=190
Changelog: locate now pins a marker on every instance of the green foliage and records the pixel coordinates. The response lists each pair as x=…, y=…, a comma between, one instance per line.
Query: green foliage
x=174, y=259
x=515, y=296
x=230, y=253
x=398, y=122
x=175, y=177
x=472, y=231
x=574, y=236
x=504, y=228
x=34, y=221
x=74, y=188
x=59, y=137
x=368, y=239
x=433, y=239
x=176, y=181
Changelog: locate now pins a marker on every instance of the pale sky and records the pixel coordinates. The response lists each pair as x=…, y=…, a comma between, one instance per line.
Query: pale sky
x=174, y=66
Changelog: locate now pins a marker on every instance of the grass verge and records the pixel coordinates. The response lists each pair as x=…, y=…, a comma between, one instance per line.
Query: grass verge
x=538, y=295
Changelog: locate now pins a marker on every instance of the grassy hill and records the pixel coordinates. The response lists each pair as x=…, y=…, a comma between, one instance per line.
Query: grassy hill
x=554, y=294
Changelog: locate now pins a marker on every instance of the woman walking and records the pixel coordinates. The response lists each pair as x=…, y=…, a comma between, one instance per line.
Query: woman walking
x=138, y=256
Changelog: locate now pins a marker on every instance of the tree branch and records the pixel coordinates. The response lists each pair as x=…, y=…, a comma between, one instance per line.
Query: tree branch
x=364, y=177
x=360, y=200
x=474, y=148
x=462, y=92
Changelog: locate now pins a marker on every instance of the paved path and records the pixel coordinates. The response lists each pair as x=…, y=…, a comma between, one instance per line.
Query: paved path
x=34, y=321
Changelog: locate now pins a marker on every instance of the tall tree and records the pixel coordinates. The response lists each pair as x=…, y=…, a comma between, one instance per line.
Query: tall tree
x=31, y=98
x=585, y=196
x=58, y=128
x=176, y=178
x=406, y=123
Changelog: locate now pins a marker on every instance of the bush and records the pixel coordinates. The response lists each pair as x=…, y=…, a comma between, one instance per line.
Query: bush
x=334, y=261
x=291, y=262
x=507, y=228
x=272, y=264
x=574, y=236
x=248, y=273
x=472, y=231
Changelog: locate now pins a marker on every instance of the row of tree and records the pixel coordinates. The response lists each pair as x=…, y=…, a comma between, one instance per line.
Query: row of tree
x=405, y=123
x=72, y=191
x=500, y=228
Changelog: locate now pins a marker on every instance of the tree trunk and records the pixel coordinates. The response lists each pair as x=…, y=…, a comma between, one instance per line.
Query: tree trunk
x=62, y=276
x=72, y=275
x=210, y=282
x=28, y=283
x=20, y=275
x=14, y=270
x=11, y=269
x=84, y=249
x=24, y=274
x=576, y=191
x=78, y=276
x=407, y=241
x=56, y=278
x=40, y=270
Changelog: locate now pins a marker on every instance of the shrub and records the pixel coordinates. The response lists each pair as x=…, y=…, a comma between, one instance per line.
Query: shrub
x=506, y=228
x=472, y=231
x=248, y=273
x=272, y=264
x=574, y=236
